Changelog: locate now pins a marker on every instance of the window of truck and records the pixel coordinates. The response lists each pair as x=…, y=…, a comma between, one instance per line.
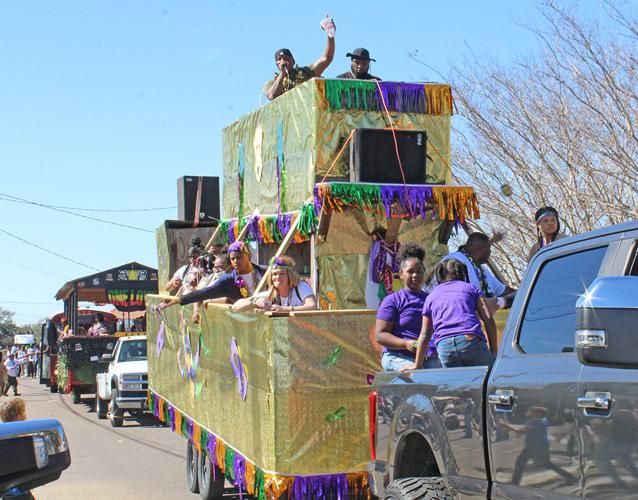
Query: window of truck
x=549, y=320
x=632, y=269
x=133, y=350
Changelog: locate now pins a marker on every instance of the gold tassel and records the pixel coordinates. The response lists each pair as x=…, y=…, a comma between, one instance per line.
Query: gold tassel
x=178, y=422
x=250, y=478
x=220, y=455
x=277, y=486
x=439, y=99
x=197, y=435
x=455, y=203
x=160, y=408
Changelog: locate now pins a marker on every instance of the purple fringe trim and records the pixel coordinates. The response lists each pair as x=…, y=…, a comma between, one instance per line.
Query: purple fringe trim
x=171, y=415
x=413, y=200
x=321, y=487
x=403, y=97
x=189, y=429
x=231, y=231
x=156, y=407
x=239, y=468
x=283, y=224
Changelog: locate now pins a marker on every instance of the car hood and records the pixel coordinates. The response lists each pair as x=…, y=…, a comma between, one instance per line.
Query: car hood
x=132, y=366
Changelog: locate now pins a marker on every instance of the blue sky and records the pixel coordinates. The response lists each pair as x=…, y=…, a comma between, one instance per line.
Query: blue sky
x=103, y=105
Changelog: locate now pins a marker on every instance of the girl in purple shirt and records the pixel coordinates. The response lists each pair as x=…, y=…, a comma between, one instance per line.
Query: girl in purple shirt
x=399, y=315
x=451, y=319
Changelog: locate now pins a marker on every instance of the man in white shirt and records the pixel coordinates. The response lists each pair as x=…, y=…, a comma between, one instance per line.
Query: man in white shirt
x=12, y=375
x=475, y=255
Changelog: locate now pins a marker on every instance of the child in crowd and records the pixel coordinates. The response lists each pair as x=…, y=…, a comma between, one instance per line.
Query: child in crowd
x=13, y=410
x=451, y=318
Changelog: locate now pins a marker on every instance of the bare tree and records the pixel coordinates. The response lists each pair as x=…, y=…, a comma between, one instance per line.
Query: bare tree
x=558, y=128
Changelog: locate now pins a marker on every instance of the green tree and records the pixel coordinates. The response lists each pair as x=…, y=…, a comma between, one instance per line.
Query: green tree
x=7, y=326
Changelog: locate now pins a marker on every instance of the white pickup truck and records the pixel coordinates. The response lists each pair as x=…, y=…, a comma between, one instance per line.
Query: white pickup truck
x=124, y=385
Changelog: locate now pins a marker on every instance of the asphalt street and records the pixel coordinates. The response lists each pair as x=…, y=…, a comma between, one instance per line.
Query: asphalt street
x=138, y=460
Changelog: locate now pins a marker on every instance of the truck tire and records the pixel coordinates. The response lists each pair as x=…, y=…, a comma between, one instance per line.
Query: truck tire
x=77, y=396
x=421, y=488
x=115, y=414
x=211, y=486
x=53, y=388
x=101, y=407
x=192, y=467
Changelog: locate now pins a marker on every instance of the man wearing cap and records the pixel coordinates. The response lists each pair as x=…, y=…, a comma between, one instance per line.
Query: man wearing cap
x=360, y=66
x=290, y=75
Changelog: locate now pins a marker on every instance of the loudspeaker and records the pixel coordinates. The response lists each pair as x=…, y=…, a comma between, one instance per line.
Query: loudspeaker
x=373, y=156
x=187, y=198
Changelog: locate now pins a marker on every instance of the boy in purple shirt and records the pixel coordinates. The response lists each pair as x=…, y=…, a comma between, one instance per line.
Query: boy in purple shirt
x=450, y=320
x=400, y=314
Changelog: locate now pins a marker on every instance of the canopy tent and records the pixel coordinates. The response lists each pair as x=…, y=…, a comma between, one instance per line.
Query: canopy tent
x=125, y=287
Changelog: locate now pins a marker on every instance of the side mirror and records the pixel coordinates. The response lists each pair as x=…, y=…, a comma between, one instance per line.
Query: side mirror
x=107, y=357
x=39, y=453
x=607, y=323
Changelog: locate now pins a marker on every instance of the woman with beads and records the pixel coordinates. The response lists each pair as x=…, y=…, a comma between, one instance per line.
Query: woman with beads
x=287, y=292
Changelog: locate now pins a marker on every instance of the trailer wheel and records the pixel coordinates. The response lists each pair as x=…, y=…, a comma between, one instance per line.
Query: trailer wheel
x=100, y=407
x=77, y=396
x=192, y=467
x=211, y=479
x=115, y=414
x=422, y=488
x=53, y=388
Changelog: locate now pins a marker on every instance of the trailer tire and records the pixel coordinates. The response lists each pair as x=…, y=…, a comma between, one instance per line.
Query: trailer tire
x=192, y=467
x=211, y=486
x=53, y=388
x=101, y=407
x=422, y=488
x=115, y=414
x=77, y=396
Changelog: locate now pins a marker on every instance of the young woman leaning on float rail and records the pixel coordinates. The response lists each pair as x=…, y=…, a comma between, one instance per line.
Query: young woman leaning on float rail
x=287, y=292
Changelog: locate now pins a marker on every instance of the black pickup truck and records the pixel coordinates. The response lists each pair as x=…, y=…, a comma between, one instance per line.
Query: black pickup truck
x=556, y=415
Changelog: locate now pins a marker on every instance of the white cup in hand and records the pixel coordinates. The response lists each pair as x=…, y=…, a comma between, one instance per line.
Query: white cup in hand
x=328, y=25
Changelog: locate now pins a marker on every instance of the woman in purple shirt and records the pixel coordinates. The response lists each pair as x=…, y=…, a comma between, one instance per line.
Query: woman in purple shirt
x=399, y=315
x=451, y=319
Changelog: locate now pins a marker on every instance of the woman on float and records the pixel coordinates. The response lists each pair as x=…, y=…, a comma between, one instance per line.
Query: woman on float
x=547, y=229
x=287, y=292
x=400, y=314
x=230, y=287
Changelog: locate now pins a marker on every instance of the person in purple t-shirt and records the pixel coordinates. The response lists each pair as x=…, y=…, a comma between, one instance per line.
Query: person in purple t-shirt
x=399, y=315
x=451, y=319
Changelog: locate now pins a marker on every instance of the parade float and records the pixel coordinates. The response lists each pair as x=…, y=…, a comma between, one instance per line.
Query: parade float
x=277, y=404
x=74, y=360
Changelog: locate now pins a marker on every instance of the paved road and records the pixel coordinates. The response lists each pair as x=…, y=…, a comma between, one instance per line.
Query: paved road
x=137, y=461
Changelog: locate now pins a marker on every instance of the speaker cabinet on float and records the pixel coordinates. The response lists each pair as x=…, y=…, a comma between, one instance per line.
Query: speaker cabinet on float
x=187, y=187
x=373, y=156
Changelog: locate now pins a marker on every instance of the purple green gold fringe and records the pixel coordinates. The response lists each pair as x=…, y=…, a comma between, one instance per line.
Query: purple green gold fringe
x=433, y=99
x=269, y=229
x=452, y=203
x=246, y=475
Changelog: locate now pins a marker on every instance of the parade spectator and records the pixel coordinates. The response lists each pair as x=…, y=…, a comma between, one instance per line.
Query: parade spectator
x=21, y=360
x=30, y=362
x=13, y=410
x=475, y=255
x=399, y=316
x=98, y=327
x=286, y=292
x=290, y=75
x=11, y=366
x=230, y=287
x=360, y=66
x=547, y=229
x=451, y=319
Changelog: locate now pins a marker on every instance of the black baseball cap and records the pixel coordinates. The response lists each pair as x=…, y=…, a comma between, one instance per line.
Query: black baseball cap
x=283, y=52
x=360, y=53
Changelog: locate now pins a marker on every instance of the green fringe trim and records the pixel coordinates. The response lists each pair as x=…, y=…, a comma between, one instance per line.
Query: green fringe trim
x=308, y=220
x=366, y=197
x=229, y=462
x=260, y=487
x=356, y=93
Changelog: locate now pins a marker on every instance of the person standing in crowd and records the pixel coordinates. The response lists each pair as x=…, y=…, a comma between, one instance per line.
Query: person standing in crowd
x=399, y=316
x=11, y=366
x=360, y=66
x=290, y=75
x=451, y=315
x=547, y=229
x=30, y=362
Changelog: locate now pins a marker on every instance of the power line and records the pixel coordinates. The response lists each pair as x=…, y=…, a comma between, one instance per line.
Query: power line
x=33, y=268
x=80, y=209
x=47, y=250
x=23, y=302
x=21, y=200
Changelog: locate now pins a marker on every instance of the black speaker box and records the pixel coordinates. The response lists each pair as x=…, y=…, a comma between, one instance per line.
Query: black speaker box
x=187, y=198
x=373, y=156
